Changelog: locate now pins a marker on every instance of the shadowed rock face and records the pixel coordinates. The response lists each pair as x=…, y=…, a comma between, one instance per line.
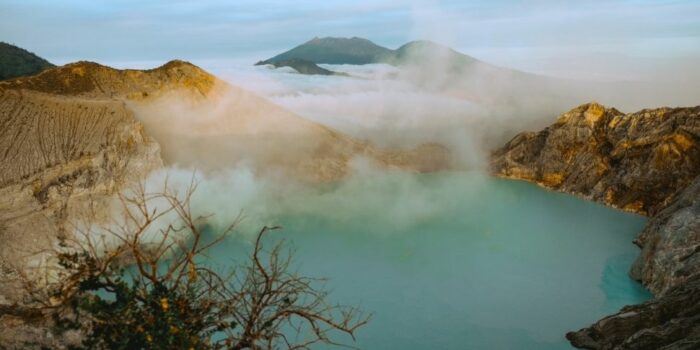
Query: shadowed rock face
x=669, y=266
x=635, y=161
x=671, y=244
x=669, y=322
x=646, y=162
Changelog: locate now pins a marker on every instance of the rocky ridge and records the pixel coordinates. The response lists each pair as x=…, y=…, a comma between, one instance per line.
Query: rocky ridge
x=647, y=162
x=93, y=80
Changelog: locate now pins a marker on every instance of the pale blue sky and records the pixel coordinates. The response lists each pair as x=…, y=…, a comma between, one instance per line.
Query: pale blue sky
x=571, y=38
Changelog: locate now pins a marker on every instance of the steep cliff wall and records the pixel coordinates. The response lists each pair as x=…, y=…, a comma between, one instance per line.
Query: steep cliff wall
x=671, y=322
x=669, y=265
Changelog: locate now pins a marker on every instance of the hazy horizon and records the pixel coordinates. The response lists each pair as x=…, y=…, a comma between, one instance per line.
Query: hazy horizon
x=595, y=40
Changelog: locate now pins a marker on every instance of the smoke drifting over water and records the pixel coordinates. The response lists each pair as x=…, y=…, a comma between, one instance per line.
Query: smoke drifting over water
x=470, y=110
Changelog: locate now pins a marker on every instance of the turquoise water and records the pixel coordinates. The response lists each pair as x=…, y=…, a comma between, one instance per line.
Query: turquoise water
x=460, y=260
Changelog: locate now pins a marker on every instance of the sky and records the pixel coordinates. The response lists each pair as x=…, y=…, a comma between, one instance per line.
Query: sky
x=590, y=39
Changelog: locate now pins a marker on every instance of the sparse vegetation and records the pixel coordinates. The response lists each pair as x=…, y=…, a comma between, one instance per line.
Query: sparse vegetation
x=142, y=283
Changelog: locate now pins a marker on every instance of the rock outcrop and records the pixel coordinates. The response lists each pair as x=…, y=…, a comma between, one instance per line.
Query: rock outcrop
x=671, y=244
x=636, y=161
x=646, y=162
x=669, y=266
x=669, y=322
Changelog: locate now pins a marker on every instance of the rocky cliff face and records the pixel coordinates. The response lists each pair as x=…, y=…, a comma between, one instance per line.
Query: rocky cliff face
x=671, y=243
x=635, y=161
x=646, y=162
x=669, y=265
x=669, y=322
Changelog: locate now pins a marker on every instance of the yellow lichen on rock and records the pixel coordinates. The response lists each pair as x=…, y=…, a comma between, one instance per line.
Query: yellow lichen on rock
x=552, y=179
x=601, y=168
x=520, y=173
x=614, y=121
x=634, y=207
x=683, y=141
x=593, y=114
x=78, y=70
x=609, y=196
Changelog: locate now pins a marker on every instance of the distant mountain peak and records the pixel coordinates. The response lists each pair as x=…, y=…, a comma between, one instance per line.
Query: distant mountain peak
x=356, y=50
x=18, y=62
x=176, y=63
x=423, y=44
x=335, y=50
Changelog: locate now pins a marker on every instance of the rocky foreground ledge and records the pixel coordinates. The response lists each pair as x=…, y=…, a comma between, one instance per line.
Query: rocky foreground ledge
x=646, y=162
